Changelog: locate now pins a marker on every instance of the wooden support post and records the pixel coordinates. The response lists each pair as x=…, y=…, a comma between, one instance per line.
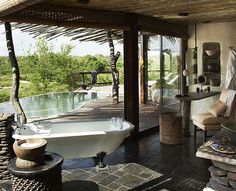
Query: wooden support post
x=183, y=88
x=143, y=69
x=185, y=110
x=185, y=105
x=15, y=75
x=131, y=93
x=162, y=70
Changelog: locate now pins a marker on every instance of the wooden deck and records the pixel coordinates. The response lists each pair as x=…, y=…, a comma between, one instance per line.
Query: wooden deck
x=105, y=109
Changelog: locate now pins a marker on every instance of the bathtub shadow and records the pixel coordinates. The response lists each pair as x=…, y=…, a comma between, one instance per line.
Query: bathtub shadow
x=80, y=185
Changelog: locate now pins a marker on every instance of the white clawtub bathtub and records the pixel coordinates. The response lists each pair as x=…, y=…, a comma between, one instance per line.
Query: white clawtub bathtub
x=76, y=139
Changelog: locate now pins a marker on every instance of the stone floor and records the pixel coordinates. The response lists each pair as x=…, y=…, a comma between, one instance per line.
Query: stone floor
x=181, y=169
x=146, y=164
x=119, y=177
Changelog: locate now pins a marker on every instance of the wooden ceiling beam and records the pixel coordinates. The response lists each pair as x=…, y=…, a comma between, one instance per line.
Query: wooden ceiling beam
x=88, y=18
x=152, y=25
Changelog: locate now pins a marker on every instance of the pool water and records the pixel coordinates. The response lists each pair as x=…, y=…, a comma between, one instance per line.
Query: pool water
x=52, y=104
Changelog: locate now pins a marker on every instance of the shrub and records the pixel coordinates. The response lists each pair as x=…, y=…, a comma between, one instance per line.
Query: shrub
x=49, y=71
x=5, y=95
x=5, y=81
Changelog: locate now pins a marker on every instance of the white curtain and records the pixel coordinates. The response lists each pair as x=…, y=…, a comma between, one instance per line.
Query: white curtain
x=230, y=78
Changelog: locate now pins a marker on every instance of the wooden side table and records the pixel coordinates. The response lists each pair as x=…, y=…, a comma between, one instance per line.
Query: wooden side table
x=45, y=177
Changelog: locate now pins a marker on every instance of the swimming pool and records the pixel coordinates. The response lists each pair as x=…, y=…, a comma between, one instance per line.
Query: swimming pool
x=53, y=103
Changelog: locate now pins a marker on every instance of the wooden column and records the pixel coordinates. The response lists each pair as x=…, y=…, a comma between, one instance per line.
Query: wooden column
x=162, y=70
x=131, y=93
x=183, y=88
x=185, y=112
x=143, y=69
x=185, y=105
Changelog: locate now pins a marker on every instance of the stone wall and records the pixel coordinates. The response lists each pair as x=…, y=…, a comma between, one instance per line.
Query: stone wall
x=6, y=142
x=223, y=177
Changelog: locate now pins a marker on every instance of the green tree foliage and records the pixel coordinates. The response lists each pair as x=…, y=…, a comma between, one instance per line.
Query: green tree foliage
x=49, y=71
x=45, y=70
x=5, y=67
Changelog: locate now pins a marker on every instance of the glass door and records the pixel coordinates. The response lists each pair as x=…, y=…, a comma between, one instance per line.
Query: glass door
x=171, y=70
x=163, y=70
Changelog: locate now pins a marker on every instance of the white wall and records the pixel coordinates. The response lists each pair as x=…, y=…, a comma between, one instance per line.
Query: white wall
x=223, y=33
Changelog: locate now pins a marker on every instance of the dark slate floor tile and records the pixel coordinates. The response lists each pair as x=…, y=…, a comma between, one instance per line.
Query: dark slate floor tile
x=123, y=188
x=108, y=180
x=104, y=188
x=119, y=173
x=98, y=176
x=130, y=180
x=133, y=168
x=114, y=186
x=78, y=175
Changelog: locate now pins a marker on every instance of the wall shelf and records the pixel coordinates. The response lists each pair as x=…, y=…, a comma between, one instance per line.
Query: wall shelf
x=211, y=63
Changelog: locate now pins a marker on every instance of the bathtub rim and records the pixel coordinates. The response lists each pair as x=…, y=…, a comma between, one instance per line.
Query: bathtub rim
x=130, y=128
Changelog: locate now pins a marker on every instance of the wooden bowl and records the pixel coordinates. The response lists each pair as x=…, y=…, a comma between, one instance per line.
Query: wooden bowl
x=210, y=52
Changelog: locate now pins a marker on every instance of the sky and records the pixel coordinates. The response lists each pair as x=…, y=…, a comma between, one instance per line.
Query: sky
x=23, y=42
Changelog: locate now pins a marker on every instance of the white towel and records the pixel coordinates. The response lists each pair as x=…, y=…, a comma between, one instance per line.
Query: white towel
x=229, y=102
x=116, y=123
x=230, y=77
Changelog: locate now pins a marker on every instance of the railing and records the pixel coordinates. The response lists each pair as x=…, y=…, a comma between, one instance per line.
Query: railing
x=94, y=75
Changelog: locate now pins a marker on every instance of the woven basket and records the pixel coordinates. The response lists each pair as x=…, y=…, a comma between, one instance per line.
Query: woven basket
x=170, y=128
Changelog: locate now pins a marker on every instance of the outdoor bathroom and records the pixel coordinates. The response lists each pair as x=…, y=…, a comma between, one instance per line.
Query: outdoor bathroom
x=156, y=112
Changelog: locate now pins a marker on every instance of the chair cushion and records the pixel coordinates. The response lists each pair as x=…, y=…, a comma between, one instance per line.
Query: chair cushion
x=207, y=119
x=223, y=96
x=217, y=108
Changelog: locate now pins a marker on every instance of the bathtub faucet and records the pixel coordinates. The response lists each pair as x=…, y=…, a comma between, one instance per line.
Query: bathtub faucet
x=18, y=122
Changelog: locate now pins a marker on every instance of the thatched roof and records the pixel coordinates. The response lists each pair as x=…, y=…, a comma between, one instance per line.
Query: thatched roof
x=10, y=6
x=81, y=34
x=168, y=17
x=172, y=10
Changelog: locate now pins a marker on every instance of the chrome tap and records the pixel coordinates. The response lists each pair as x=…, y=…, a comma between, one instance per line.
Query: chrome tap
x=17, y=122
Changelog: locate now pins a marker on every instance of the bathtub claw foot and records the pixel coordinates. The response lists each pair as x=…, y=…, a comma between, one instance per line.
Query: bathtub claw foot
x=107, y=167
x=100, y=157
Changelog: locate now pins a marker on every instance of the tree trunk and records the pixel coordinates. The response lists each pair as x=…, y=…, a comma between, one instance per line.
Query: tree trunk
x=15, y=75
x=113, y=60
